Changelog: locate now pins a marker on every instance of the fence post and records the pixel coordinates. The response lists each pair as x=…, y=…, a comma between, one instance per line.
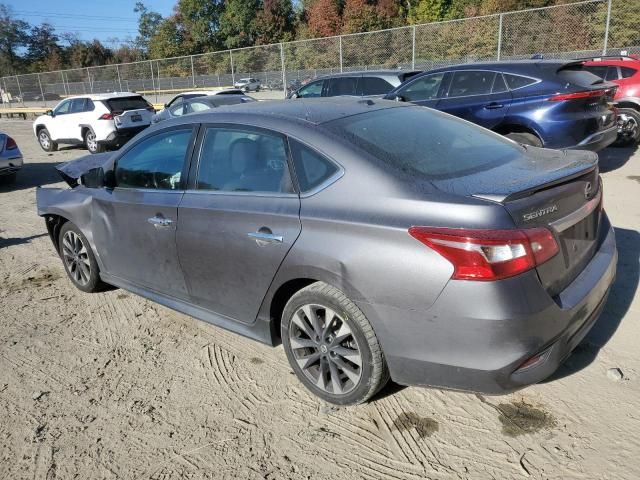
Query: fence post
x=500, y=36
x=233, y=76
x=413, y=48
x=153, y=83
x=41, y=90
x=340, y=37
x=193, y=71
x=19, y=90
x=284, y=75
x=119, y=79
x=89, y=80
x=606, y=29
x=6, y=92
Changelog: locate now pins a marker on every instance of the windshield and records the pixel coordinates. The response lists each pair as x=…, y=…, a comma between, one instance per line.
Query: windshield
x=426, y=143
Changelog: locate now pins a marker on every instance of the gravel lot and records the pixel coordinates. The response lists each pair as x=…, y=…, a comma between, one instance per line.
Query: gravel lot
x=112, y=386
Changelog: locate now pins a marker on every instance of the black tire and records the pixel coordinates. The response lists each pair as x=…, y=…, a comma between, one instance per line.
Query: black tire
x=91, y=143
x=78, y=260
x=525, y=138
x=631, y=135
x=360, y=344
x=44, y=139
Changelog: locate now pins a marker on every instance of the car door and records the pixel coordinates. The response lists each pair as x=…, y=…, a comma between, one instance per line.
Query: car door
x=58, y=125
x=76, y=118
x=373, y=86
x=311, y=90
x=424, y=91
x=470, y=96
x=341, y=86
x=134, y=224
x=237, y=220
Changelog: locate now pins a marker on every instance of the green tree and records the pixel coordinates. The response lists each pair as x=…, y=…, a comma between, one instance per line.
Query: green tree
x=238, y=23
x=13, y=35
x=276, y=22
x=148, y=22
x=425, y=11
x=168, y=39
x=199, y=23
x=43, y=51
x=360, y=16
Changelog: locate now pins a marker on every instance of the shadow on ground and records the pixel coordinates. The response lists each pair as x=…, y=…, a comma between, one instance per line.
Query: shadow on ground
x=613, y=158
x=620, y=298
x=10, y=242
x=32, y=175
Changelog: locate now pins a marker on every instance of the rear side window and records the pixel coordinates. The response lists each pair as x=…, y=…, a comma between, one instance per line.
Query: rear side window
x=627, y=72
x=342, y=86
x=499, y=85
x=416, y=141
x=127, y=103
x=243, y=161
x=467, y=83
x=312, y=169
x=518, y=81
x=374, y=86
x=154, y=163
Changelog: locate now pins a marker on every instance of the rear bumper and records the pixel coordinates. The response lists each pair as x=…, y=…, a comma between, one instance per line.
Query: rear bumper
x=477, y=334
x=598, y=140
x=121, y=136
x=10, y=166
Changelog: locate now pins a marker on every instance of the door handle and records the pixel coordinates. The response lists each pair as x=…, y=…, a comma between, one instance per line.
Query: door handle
x=493, y=106
x=262, y=238
x=160, y=222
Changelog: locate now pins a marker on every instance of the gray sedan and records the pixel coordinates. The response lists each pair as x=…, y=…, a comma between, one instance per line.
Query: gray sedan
x=200, y=104
x=374, y=239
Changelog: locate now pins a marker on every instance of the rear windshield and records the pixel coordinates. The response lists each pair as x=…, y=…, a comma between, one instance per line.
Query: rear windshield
x=123, y=104
x=424, y=142
x=576, y=75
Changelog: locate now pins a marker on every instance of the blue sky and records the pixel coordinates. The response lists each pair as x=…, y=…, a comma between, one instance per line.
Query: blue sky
x=89, y=18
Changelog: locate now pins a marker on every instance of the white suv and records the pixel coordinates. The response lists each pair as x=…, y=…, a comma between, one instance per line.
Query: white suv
x=97, y=121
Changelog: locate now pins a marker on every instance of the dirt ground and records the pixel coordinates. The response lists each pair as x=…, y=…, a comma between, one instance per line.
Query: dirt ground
x=111, y=386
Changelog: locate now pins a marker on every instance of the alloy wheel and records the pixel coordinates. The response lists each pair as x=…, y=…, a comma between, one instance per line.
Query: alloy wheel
x=325, y=349
x=44, y=140
x=92, y=144
x=76, y=258
x=630, y=129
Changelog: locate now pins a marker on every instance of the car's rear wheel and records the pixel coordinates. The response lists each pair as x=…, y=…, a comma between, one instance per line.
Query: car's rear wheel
x=525, y=138
x=44, y=139
x=91, y=143
x=630, y=134
x=78, y=259
x=331, y=346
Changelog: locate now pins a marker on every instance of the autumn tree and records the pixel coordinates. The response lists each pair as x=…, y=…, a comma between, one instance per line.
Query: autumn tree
x=275, y=22
x=323, y=18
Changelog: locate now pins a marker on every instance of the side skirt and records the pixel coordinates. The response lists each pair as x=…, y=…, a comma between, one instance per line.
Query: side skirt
x=259, y=330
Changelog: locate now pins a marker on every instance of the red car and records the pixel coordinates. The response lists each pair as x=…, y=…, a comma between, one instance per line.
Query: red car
x=624, y=71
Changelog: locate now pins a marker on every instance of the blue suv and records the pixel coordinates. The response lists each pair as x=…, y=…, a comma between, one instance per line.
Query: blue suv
x=550, y=104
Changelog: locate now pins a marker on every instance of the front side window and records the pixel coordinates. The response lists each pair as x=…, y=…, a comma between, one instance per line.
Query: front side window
x=243, y=161
x=154, y=163
x=424, y=88
x=314, y=89
x=466, y=83
x=177, y=110
x=63, y=108
x=198, y=106
x=342, y=86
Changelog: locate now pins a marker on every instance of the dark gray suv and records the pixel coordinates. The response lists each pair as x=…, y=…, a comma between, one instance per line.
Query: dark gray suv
x=367, y=83
x=375, y=239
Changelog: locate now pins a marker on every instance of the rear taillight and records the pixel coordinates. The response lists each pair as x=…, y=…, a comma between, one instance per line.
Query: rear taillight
x=106, y=116
x=10, y=144
x=489, y=254
x=577, y=95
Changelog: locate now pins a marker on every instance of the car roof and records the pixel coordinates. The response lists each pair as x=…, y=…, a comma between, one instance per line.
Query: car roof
x=105, y=96
x=370, y=73
x=315, y=111
x=613, y=61
x=515, y=66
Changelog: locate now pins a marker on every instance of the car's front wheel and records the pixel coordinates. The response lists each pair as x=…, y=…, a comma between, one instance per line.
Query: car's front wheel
x=630, y=134
x=91, y=143
x=78, y=259
x=44, y=139
x=331, y=346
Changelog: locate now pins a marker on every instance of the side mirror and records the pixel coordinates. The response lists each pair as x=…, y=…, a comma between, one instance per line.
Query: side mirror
x=50, y=113
x=166, y=105
x=98, y=178
x=293, y=95
x=399, y=98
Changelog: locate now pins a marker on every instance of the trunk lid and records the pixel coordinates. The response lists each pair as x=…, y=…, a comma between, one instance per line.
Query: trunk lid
x=558, y=190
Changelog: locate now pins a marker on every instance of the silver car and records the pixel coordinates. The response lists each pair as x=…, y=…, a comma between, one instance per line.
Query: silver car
x=248, y=84
x=10, y=158
x=374, y=239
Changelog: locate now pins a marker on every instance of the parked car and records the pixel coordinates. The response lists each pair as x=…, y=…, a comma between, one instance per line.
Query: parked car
x=199, y=104
x=357, y=84
x=336, y=227
x=624, y=71
x=201, y=93
x=248, y=84
x=541, y=103
x=98, y=121
x=10, y=158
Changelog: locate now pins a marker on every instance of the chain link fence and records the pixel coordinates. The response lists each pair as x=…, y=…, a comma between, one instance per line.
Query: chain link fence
x=575, y=30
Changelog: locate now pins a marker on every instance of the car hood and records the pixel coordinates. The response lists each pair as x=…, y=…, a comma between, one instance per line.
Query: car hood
x=71, y=171
x=534, y=169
